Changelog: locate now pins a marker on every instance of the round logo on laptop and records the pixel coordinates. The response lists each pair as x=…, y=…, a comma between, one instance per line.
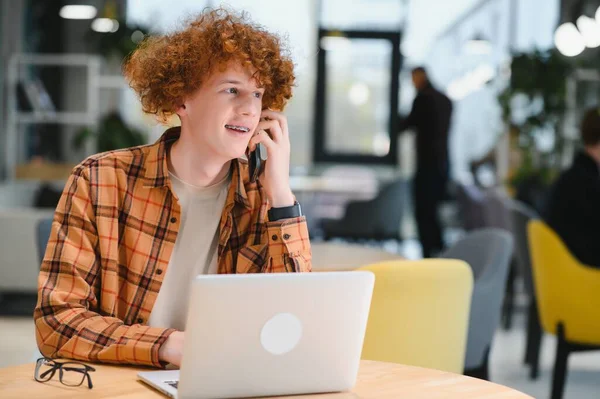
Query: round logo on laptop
x=281, y=333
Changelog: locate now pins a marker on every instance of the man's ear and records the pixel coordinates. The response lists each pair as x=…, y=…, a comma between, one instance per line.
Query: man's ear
x=181, y=110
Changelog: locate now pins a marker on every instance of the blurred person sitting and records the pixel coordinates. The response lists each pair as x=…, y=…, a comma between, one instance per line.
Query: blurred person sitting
x=134, y=227
x=430, y=116
x=573, y=206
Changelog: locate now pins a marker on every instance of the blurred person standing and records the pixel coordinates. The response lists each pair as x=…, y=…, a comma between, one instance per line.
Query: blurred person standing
x=430, y=117
x=573, y=206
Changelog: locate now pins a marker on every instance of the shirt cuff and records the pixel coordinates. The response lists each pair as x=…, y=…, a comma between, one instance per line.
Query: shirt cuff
x=288, y=236
x=145, y=346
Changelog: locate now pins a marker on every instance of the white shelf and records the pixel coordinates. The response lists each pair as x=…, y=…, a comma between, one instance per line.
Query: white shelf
x=15, y=118
x=111, y=82
x=63, y=118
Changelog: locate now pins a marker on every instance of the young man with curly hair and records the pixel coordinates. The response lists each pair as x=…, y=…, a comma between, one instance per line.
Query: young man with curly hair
x=134, y=226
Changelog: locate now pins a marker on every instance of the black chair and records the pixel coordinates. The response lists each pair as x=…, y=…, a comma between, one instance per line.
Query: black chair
x=520, y=215
x=377, y=219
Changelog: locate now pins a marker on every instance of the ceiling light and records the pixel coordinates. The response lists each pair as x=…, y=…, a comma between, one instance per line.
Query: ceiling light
x=568, y=40
x=105, y=25
x=78, y=12
x=590, y=30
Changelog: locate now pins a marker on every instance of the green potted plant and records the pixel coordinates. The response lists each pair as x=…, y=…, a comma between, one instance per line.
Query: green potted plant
x=539, y=78
x=112, y=133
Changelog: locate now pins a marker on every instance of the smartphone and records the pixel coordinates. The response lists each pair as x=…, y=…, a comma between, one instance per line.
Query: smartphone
x=256, y=162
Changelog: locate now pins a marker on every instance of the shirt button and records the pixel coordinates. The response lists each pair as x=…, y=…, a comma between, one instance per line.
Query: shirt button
x=173, y=220
x=274, y=238
x=159, y=272
x=140, y=320
x=286, y=236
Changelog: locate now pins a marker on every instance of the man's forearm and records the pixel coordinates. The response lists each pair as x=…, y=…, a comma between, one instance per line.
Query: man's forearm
x=85, y=335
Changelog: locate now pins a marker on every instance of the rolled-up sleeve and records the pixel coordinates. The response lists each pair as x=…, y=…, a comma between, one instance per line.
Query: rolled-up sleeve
x=289, y=245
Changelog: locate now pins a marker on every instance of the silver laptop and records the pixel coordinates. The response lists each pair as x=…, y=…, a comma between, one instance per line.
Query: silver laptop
x=270, y=334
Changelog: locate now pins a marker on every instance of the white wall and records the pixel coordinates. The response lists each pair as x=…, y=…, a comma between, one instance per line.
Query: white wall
x=426, y=20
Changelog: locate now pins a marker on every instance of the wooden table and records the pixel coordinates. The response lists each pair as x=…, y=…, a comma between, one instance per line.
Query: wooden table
x=375, y=380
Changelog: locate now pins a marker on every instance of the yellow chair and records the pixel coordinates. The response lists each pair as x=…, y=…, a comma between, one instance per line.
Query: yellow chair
x=568, y=298
x=419, y=313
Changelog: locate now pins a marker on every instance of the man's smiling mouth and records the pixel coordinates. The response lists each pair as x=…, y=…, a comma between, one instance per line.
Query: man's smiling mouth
x=242, y=129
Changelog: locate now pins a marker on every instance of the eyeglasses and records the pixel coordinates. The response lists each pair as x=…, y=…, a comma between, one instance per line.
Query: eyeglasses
x=71, y=374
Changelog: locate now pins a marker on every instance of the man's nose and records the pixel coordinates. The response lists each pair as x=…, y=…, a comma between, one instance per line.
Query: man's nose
x=247, y=106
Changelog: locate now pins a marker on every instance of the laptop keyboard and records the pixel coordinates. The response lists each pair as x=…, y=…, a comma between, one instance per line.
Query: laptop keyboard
x=172, y=383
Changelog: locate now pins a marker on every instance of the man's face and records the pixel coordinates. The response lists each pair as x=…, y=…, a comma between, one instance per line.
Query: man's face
x=418, y=79
x=594, y=150
x=224, y=112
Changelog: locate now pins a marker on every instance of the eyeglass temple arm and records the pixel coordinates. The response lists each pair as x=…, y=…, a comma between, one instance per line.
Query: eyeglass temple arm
x=51, y=370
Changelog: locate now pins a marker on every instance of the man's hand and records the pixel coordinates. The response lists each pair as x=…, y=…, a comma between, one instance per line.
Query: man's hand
x=171, y=350
x=276, y=177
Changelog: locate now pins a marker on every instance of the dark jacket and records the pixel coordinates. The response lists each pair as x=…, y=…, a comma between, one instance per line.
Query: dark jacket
x=573, y=209
x=430, y=116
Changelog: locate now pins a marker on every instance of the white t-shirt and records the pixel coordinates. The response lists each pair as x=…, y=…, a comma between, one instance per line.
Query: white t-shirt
x=195, y=250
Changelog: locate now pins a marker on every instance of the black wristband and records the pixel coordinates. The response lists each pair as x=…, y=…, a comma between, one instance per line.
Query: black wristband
x=285, y=212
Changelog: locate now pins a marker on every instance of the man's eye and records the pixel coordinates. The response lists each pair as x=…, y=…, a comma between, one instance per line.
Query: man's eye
x=232, y=90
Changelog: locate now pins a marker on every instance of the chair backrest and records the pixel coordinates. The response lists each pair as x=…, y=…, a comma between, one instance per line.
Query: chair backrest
x=379, y=218
x=566, y=291
x=470, y=206
x=488, y=252
x=388, y=209
x=331, y=256
x=484, y=250
x=42, y=235
x=520, y=215
x=419, y=313
x=495, y=210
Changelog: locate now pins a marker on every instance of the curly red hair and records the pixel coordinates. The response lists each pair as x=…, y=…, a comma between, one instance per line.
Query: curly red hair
x=166, y=69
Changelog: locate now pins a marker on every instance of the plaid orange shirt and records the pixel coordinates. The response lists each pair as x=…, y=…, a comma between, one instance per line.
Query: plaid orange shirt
x=112, y=237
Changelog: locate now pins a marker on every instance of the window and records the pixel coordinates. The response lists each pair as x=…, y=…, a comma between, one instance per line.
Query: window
x=357, y=96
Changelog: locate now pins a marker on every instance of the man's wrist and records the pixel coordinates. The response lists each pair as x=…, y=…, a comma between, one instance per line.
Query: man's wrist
x=163, y=352
x=170, y=350
x=282, y=200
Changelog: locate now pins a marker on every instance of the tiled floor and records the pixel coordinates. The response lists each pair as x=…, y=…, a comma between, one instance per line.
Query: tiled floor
x=17, y=346
x=507, y=368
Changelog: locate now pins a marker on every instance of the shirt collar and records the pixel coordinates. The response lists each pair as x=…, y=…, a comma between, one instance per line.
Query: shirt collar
x=157, y=169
